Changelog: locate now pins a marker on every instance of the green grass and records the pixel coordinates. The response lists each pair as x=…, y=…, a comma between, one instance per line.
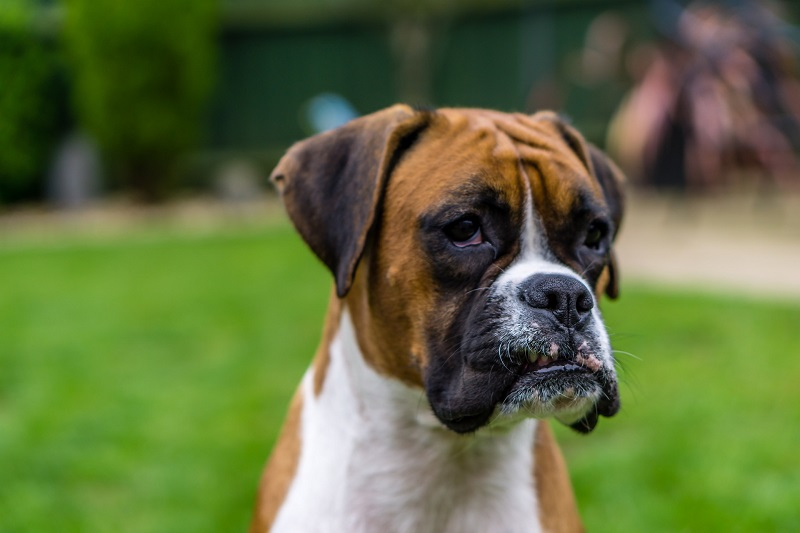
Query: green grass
x=143, y=381
x=709, y=432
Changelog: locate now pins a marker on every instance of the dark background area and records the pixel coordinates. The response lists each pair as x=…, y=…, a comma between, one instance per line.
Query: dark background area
x=249, y=69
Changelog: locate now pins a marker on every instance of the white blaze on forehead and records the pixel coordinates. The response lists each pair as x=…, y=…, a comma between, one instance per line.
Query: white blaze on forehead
x=531, y=236
x=535, y=256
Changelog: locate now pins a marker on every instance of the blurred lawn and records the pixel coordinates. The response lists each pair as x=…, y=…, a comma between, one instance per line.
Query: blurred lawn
x=143, y=380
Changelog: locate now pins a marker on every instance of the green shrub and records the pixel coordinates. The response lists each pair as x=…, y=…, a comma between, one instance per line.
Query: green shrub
x=142, y=74
x=27, y=104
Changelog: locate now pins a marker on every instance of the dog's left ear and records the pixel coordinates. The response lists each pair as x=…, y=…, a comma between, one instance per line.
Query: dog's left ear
x=612, y=180
x=332, y=184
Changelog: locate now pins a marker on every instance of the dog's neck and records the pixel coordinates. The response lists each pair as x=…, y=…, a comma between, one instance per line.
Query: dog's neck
x=375, y=458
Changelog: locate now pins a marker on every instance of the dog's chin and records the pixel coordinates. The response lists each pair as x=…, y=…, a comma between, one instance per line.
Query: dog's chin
x=569, y=392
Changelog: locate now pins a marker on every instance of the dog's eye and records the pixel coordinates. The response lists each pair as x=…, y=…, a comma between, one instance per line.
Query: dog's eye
x=466, y=231
x=595, y=234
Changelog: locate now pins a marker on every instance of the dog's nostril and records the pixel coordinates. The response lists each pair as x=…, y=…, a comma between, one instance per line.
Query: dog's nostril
x=554, y=300
x=585, y=303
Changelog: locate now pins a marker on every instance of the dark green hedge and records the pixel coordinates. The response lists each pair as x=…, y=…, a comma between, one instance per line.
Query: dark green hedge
x=28, y=103
x=142, y=75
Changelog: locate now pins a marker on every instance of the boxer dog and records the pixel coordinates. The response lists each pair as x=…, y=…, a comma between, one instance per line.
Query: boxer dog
x=468, y=249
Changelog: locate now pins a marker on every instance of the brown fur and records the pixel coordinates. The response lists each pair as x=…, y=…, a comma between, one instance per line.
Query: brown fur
x=500, y=149
x=557, y=509
x=391, y=324
x=280, y=470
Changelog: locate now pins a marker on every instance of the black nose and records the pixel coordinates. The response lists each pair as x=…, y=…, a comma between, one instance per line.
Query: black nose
x=563, y=296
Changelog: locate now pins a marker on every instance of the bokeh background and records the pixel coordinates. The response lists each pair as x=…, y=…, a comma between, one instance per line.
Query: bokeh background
x=157, y=310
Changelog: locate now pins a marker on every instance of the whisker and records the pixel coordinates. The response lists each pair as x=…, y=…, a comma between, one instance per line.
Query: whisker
x=478, y=289
x=629, y=354
x=589, y=267
x=500, y=356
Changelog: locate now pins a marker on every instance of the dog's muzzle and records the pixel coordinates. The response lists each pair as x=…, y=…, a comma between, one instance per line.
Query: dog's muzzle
x=535, y=348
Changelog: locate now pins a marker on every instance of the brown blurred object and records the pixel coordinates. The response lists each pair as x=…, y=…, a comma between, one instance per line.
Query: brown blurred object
x=716, y=103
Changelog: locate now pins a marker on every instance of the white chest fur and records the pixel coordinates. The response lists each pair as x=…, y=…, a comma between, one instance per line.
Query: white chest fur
x=374, y=458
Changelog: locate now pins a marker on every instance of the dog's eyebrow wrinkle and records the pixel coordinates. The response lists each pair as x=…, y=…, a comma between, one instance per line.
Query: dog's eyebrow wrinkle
x=526, y=142
x=508, y=146
x=531, y=134
x=535, y=141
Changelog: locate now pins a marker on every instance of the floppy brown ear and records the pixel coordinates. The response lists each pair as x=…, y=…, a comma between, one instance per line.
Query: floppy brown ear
x=612, y=283
x=332, y=184
x=612, y=181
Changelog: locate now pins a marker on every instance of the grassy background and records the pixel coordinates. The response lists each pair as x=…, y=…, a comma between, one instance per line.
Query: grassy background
x=143, y=380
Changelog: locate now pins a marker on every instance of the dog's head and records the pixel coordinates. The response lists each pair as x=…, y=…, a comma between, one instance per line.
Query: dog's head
x=471, y=248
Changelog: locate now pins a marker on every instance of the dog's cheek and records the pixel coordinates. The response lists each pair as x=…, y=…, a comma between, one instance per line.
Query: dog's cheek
x=400, y=302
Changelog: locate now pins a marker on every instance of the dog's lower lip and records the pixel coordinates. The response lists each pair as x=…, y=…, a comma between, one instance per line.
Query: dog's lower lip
x=553, y=366
x=560, y=367
x=467, y=423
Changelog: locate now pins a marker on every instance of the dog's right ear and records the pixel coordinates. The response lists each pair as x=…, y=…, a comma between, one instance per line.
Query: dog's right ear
x=612, y=181
x=332, y=184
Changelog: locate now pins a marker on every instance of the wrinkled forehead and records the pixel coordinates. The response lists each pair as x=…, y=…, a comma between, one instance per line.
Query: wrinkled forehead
x=472, y=154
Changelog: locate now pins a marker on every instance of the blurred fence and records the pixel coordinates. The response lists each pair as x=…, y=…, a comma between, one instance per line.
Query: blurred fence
x=493, y=55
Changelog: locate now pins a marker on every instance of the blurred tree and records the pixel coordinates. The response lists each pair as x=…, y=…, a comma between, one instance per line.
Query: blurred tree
x=28, y=121
x=143, y=72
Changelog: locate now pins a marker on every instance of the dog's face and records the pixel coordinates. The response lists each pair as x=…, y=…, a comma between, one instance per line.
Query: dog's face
x=473, y=263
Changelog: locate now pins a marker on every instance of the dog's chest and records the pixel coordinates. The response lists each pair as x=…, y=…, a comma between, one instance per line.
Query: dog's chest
x=419, y=483
x=374, y=459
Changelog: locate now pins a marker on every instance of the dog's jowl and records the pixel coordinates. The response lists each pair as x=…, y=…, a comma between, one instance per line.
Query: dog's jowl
x=469, y=249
